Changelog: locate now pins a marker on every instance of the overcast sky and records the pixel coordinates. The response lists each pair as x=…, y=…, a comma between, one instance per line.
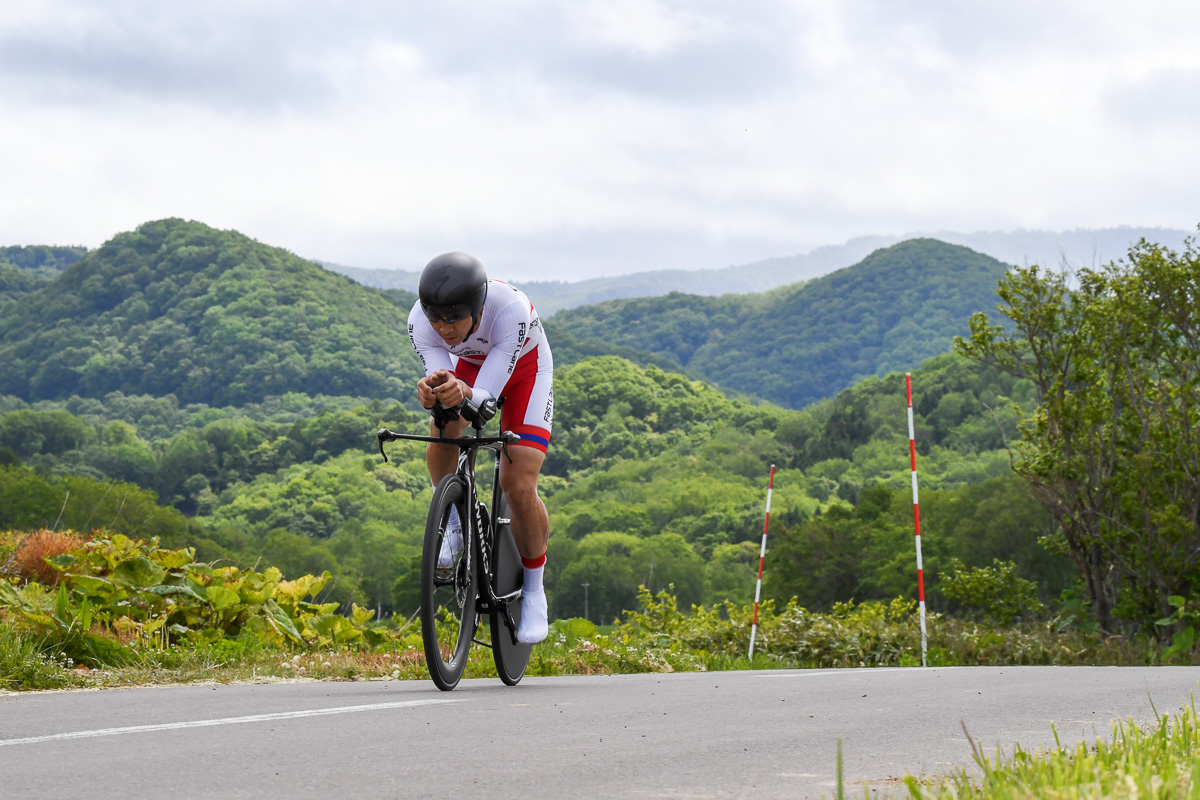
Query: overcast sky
x=564, y=139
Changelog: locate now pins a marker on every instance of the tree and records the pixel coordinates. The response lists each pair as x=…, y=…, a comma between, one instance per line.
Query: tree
x=1111, y=449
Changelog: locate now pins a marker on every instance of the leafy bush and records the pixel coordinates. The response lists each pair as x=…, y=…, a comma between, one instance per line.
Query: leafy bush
x=115, y=593
x=997, y=591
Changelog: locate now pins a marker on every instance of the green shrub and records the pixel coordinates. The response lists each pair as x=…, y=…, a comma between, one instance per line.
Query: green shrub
x=997, y=591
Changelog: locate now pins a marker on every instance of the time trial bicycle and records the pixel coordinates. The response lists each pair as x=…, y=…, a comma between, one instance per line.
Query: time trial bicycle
x=486, y=576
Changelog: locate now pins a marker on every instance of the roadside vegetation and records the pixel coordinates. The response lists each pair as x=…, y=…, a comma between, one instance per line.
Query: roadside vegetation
x=1136, y=761
x=106, y=610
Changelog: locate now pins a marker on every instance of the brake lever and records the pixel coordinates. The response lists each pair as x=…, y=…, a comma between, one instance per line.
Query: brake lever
x=384, y=435
x=509, y=438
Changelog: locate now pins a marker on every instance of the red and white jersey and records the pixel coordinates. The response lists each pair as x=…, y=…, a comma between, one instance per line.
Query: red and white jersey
x=509, y=328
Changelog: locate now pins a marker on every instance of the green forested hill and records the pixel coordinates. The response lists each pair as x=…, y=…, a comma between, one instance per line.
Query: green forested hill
x=651, y=479
x=210, y=316
x=796, y=345
x=196, y=385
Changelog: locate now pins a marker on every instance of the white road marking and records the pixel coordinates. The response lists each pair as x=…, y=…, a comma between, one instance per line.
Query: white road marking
x=205, y=723
x=816, y=672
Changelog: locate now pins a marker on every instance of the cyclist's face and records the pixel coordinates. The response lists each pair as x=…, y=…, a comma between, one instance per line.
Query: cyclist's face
x=453, y=333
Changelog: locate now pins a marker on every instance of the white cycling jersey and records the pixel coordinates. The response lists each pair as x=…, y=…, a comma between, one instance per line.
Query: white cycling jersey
x=508, y=328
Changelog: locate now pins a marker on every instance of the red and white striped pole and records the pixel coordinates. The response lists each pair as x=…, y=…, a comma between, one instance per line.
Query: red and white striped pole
x=912, y=449
x=762, y=554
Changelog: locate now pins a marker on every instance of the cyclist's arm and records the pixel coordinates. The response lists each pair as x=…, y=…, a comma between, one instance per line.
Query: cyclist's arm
x=512, y=328
x=434, y=358
x=427, y=343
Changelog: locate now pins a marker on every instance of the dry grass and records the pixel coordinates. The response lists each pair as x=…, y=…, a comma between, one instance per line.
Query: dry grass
x=28, y=559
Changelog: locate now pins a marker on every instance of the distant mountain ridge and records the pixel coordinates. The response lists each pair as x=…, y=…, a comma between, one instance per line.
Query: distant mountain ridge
x=1089, y=247
x=798, y=344
x=215, y=317
x=26, y=268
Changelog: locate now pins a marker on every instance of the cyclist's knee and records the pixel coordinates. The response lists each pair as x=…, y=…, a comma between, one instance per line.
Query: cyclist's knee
x=520, y=489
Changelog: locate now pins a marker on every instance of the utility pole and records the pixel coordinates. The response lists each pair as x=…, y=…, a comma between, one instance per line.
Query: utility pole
x=585, y=599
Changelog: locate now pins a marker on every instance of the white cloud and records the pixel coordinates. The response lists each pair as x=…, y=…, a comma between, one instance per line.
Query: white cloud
x=645, y=27
x=597, y=136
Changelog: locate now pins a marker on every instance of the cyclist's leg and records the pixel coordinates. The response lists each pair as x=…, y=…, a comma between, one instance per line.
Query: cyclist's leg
x=528, y=411
x=531, y=530
x=530, y=523
x=443, y=458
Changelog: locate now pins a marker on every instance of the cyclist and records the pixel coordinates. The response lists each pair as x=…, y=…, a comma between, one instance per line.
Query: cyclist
x=480, y=339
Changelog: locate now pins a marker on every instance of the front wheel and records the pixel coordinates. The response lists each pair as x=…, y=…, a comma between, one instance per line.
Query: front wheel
x=448, y=595
x=511, y=656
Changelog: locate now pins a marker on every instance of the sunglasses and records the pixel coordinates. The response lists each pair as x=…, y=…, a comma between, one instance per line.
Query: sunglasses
x=446, y=314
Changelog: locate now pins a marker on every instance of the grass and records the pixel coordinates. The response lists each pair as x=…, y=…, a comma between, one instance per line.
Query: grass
x=28, y=661
x=1157, y=761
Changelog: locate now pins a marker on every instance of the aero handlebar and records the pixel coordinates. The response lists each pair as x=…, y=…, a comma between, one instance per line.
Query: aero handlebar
x=478, y=416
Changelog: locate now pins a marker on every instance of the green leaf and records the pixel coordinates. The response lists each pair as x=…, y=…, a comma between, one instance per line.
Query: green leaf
x=62, y=605
x=335, y=627
x=222, y=597
x=164, y=590
x=317, y=609
x=175, y=559
x=85, y=615
x=278, y=619
x=61, y=562
x=304, y=586
x=93, y=584
x=361, y=616
x=138, y=573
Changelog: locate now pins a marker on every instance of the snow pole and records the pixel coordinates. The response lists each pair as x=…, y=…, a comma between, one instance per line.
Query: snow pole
x=912, y=450
x=762, y=555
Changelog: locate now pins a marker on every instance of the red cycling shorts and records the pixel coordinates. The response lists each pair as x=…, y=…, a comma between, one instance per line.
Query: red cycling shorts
x=528, y=408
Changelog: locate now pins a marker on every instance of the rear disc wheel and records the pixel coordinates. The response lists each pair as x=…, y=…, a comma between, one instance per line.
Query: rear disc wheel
x=511, y=656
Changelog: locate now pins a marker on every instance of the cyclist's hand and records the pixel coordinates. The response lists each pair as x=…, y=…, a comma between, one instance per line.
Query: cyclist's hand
x=452, y=392
x=427, y=387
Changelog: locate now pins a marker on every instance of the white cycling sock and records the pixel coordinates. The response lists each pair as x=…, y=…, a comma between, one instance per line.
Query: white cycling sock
x=451, y=541
x=533, y=578
x=452, y=521
x=535, y=624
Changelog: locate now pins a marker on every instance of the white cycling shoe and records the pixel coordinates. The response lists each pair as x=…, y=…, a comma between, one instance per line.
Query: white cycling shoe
x=452, y=541
x=534, y=624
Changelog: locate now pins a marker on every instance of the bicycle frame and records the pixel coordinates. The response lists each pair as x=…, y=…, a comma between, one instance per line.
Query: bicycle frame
x=473, y=528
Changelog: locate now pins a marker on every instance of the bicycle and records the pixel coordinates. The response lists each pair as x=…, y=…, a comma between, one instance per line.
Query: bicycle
x=486, y=576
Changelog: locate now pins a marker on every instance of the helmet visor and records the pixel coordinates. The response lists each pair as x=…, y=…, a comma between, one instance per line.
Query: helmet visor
x=446, y=314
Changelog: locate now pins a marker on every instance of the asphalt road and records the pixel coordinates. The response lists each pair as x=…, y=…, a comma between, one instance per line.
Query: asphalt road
x=695, y=735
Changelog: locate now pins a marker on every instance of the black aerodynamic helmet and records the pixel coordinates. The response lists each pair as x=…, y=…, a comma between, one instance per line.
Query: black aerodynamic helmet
x=453, y=286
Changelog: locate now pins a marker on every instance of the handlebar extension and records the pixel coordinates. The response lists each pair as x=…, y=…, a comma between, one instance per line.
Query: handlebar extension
x=478, y=416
